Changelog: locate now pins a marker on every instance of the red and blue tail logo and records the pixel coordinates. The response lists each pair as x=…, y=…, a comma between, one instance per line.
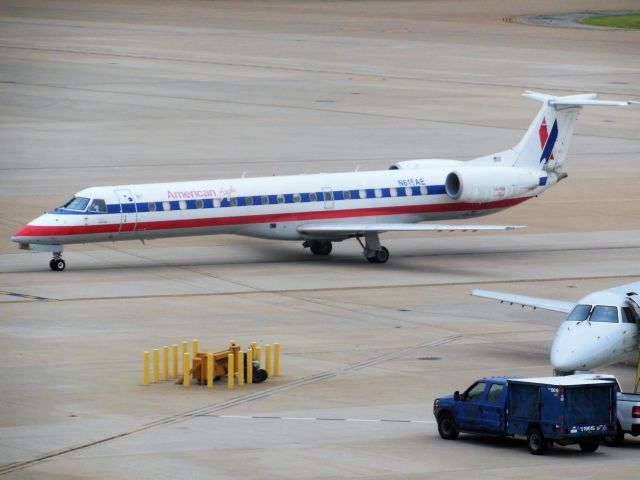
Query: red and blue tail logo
x=547, y=142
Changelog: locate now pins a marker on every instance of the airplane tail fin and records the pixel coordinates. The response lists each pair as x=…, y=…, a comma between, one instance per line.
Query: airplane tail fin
x=546, y=143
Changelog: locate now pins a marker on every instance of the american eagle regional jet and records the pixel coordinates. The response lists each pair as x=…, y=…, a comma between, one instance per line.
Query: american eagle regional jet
x=323, y=208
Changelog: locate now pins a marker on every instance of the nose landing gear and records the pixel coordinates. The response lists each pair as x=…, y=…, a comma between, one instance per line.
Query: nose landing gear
x=57, y=264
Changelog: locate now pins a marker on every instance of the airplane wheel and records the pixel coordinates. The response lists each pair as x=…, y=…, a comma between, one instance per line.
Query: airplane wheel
x=57, y=265
x=322, y=248
x=381, y=256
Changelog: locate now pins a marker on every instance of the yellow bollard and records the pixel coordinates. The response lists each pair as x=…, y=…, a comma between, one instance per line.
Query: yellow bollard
x=256, y=353
x=210, y=370
x=249, y=366
x=195, y=347
x=240, y=367
x=230, y=370
x=156, y=365
x=276, y=359
x=255, y=346
x=267, y=359
x=186, y=374
x=165, y=362
x=175, y=361
x=145, y=368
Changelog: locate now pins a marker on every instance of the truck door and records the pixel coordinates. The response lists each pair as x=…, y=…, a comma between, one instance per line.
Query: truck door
x=493, y=417
x=128, y=210
x=469, y=415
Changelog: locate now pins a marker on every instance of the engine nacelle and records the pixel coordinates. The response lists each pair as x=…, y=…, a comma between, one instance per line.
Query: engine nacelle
x=424, y=163
x=488, y=184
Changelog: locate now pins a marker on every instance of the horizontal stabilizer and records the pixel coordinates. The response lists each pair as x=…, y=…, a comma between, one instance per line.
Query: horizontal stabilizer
x=358, y=228
x=576, y=100
x=535, y=302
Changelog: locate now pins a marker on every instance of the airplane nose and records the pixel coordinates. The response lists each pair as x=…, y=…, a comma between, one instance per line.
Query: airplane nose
x=23, y=234
x=571, y=349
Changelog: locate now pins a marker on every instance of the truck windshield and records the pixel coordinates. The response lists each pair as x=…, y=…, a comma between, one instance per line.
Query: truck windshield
x=579, y=313
x=475, y=392
x=76, y=203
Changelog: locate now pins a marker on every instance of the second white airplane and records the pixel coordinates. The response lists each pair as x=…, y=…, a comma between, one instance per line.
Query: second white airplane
x=323, y=208
x=600, y=329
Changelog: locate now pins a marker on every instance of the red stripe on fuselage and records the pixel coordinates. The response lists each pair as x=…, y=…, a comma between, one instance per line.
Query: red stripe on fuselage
x=49, y=231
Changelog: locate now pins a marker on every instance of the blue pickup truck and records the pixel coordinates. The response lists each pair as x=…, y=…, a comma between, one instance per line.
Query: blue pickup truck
x=547, y=410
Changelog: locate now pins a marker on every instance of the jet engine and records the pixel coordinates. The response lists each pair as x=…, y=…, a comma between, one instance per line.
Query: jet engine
x=487, y=184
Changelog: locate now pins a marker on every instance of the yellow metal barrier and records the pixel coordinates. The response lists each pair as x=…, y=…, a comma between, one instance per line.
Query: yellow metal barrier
x=249, y=366
x=145, y=368
x=276, y=359
x=210, y=370
x=230, y=370
x=257, y=353
x=267, y=359
x=240, y=366
x=175, y=360
x=165, y=362
x=195, y=347
x=186, y=364
x=156, y=365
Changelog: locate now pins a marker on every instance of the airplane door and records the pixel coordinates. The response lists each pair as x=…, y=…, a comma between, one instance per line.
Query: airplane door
x=327, y=193
x=128, y=210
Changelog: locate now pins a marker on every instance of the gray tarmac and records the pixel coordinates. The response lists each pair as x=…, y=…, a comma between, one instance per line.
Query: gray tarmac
x=95, y=93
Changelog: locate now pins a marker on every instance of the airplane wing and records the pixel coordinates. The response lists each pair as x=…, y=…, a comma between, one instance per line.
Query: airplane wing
x=362, y=228
x=535, y=302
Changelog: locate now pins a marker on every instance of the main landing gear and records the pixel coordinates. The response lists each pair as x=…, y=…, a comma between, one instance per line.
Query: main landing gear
x=371, y=248
x=57, y=264
x=319, y=247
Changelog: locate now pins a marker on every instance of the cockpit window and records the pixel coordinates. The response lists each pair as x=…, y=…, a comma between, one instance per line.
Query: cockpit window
x=76, y=203
x=579, y=313
x=629, y=315
x=603, y=313
x=98, y=205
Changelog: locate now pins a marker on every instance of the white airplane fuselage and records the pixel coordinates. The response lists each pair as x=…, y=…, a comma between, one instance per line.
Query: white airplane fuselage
x=267, y=207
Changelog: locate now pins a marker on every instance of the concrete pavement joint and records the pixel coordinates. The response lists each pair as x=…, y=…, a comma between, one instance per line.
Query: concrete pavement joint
x=333, y=289
x=321, y=419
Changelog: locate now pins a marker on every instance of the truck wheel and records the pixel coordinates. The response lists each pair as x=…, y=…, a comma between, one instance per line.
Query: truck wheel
x=447, y=427
x=590, y=446
x=616, y=439
x=536, y=442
